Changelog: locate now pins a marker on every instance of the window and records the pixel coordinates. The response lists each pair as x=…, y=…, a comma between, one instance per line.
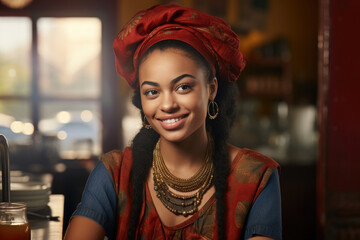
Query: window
x=50, y=88
x=15, y=79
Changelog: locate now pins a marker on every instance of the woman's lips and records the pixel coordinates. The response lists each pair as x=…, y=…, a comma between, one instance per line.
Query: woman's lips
x=172, y=123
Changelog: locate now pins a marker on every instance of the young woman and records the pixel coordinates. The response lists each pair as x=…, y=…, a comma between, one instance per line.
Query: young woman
x=180, y=178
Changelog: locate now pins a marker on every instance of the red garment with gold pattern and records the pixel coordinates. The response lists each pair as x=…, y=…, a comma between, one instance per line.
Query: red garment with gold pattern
x=249, y=174
x=211, y=36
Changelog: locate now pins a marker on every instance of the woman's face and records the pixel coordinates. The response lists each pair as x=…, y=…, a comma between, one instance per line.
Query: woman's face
x=175, y=93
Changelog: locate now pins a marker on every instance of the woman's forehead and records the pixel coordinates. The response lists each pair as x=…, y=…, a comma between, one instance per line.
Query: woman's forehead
x=169, y=64
x=173, y=50
x=166, y=58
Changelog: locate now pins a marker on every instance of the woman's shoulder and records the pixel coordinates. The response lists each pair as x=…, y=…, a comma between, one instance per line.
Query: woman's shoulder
x=251, y=166
x=240, y=156
x=117, y=159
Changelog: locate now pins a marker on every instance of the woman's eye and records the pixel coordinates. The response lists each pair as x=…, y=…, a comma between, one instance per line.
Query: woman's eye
x=184, y=88
x=151, y=92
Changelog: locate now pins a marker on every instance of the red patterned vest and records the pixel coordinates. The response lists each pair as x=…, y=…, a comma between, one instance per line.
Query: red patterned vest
x=249, y=173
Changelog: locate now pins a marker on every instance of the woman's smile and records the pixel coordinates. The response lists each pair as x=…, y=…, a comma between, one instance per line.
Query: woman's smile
x=172, y=123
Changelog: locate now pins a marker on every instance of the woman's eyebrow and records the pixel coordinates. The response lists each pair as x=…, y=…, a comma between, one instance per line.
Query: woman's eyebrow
x=174, y=81
x=150, y=83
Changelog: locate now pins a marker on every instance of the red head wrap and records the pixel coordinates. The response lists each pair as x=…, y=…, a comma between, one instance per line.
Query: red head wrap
x=212, y=37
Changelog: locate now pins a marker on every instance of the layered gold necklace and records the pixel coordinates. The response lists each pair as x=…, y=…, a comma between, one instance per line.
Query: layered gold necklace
x=181, y=204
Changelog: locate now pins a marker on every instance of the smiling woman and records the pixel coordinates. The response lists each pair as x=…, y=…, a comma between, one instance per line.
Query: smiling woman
x=180, y=178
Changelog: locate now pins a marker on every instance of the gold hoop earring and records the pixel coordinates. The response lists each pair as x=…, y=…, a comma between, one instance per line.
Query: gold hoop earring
x=146, y=125
x=214, y=110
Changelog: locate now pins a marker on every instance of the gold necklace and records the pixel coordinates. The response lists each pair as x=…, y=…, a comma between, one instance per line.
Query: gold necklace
x=163, y=178
x=180, y=184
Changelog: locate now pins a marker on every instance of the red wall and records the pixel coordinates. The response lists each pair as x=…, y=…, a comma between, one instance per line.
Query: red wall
x=338, y=177
x=343, y=165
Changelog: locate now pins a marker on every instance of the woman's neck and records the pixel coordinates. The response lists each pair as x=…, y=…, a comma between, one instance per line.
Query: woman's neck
x=185, y=155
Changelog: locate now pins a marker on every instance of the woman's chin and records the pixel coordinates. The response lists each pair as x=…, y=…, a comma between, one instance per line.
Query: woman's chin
x=173, y=138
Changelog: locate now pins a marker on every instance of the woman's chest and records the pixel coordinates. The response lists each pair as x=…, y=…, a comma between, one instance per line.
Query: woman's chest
x=164, y=209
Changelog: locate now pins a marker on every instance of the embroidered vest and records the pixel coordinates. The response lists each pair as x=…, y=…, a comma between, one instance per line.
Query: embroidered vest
x=249, y=173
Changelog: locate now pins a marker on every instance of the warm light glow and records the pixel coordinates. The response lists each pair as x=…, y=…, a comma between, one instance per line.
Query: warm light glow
x=63, y=117
x=12, y=72
x=62, y=135
x=73, y=47
x=86, y=116
x=46, y=125
x=15, y=51
x=17, y=126
x=28, y=128
x=60, y=167
x=16, y=4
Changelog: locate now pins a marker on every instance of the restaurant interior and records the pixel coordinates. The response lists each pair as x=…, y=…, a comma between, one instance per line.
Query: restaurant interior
x=62, y=103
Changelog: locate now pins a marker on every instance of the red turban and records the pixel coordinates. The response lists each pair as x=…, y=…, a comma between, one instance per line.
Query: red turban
x=212, y=37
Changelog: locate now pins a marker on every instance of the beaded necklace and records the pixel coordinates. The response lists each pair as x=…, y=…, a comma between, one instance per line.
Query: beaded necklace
x=181, y=204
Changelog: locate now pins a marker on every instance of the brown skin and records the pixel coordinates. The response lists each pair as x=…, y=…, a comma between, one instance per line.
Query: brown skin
x=82, y=228
x=173, y=86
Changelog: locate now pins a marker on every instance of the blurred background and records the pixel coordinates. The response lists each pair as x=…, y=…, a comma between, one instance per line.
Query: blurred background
x=62, y=104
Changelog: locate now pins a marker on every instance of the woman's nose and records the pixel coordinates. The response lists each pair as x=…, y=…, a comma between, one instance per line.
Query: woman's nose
x=169, y=103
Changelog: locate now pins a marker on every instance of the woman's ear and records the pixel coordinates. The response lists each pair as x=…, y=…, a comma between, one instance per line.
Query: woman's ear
x=213, y=87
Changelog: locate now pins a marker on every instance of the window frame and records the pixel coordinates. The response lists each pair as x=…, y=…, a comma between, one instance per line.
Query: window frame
x=109, y=99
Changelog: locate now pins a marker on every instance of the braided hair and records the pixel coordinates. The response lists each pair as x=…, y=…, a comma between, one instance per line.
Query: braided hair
x=144, y=142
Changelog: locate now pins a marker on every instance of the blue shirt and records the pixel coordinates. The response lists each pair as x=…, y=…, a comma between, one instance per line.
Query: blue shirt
x=99, y=204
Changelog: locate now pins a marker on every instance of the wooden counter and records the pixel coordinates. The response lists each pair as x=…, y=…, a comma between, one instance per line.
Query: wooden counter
x=42, y=229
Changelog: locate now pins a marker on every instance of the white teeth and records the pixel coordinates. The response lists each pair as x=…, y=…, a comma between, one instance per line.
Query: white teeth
x=171, y=120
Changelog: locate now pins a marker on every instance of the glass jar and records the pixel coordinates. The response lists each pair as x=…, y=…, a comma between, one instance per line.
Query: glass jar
x=14, y=224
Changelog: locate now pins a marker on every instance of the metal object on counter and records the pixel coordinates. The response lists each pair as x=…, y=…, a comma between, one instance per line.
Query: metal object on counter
x=5, y=168
x=44, y=216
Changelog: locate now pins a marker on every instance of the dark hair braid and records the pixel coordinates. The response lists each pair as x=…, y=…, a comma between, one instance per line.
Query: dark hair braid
x=142, y=147
x=220, y=128
x=145, y=141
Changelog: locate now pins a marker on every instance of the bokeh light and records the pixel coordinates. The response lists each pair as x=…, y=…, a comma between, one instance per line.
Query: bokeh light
x=63, y=117
x=17, y=126
x=62, y=135
x=86, y=116
x=28, y=128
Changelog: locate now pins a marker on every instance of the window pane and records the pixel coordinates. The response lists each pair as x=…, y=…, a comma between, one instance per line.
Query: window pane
x=15, y=124
x=69, y=56
x=75, y=125
x=15, y=55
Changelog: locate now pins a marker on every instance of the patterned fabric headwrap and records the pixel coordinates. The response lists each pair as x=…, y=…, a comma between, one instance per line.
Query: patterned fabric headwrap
x=212, y=37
